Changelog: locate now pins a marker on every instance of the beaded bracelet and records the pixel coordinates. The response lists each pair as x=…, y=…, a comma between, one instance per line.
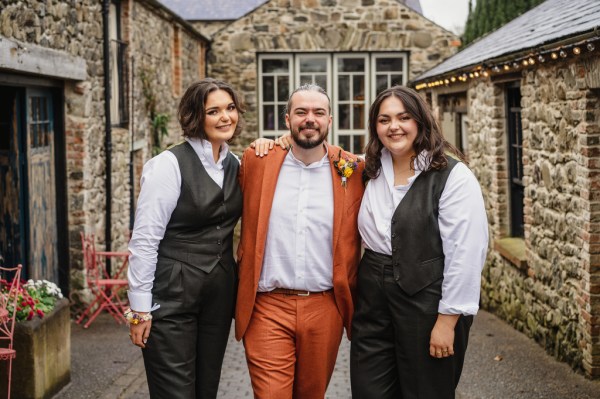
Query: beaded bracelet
x=135, y=318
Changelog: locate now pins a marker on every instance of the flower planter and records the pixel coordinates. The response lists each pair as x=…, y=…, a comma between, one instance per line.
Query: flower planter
x=43, y=363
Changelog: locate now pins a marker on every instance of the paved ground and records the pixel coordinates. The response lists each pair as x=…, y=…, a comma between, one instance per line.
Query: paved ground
x=105, y=365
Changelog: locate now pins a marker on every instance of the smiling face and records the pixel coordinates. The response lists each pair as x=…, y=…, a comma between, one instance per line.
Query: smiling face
x=220, y=117
x=396, y=129
x=308, y=118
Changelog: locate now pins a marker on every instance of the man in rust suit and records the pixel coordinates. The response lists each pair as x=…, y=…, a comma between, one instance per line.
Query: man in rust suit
x=298, y=254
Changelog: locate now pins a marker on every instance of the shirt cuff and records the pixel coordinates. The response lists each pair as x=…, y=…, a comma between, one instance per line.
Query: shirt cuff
x=140, y=301
x=467, y=310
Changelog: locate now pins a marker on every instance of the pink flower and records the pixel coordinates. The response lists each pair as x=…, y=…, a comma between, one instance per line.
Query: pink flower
x=30, y=315
x=40, y=313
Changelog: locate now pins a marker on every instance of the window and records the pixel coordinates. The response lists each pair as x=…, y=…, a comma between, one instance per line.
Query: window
x=351, y=79
x=515, y=159
x=118, y=72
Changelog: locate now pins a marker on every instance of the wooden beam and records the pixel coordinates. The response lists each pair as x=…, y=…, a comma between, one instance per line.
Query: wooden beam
x=31, y=58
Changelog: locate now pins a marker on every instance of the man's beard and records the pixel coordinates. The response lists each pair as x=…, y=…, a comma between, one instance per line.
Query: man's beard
x=308, y=143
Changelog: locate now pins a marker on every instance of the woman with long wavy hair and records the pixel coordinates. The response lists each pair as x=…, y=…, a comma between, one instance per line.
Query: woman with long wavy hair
x=424, y=228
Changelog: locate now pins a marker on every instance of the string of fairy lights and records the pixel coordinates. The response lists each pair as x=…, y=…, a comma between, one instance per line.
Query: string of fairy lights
x=485, y=70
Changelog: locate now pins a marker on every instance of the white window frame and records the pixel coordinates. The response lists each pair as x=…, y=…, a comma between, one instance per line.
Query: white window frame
x=261, y=102
x=366, y=102
x=375, y=57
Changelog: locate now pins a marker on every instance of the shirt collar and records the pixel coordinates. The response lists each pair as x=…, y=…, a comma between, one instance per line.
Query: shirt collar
x=290, y=156
x=387, y=166
x=205, y=150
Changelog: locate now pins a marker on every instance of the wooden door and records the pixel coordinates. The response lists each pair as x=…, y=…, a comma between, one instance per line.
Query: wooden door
x=41, y=186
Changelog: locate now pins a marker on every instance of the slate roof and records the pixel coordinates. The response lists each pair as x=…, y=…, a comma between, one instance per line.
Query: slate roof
x=230, y=10
x=212, y=10
x=546, y=23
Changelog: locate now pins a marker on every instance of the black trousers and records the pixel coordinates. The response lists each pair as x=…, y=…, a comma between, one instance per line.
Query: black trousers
x=186, y=346
x=389, y=356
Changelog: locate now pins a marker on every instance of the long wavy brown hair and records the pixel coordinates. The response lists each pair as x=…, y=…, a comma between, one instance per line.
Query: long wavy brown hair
x=429, y=136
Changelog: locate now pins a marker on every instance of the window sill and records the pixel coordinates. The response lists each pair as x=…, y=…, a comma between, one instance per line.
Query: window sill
x=513, y=250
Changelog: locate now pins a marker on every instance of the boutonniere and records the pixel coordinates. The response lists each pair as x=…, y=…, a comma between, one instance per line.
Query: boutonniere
x=345, y=167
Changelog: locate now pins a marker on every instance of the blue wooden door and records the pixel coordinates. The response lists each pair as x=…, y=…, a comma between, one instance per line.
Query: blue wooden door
x=41, y=186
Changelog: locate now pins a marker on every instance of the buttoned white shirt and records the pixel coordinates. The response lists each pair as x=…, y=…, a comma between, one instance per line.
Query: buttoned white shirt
x=160, y=190
x=462, y=222
x=299, y=248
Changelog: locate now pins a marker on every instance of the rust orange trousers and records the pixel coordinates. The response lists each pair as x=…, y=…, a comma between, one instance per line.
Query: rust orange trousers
x=292, y=344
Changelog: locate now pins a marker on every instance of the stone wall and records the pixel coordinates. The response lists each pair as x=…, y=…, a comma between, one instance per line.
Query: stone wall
x=553, y=297
x=209, y=28
x=322, y=26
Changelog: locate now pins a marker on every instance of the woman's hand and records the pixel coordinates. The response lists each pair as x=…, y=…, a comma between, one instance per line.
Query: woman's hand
x=284, y=141
x=139, y=333
x=441, y=343
x=263, y=145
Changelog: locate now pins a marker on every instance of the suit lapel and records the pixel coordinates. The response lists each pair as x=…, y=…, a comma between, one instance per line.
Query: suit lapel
x=339, y=196
x=272, y=166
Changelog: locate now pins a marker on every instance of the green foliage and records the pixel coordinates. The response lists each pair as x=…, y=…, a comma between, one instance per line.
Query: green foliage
x=159, y=125
x=160, y=121
x=489, y=15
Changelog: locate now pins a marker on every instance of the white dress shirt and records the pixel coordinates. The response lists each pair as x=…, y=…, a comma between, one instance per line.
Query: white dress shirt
x=462, y=223
x=299, y=245
x=160, y=189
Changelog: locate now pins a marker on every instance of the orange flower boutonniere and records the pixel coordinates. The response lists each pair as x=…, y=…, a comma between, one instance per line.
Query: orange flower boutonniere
x=345, y=167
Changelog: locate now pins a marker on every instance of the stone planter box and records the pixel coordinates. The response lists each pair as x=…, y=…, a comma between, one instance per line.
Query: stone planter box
x=43, y=363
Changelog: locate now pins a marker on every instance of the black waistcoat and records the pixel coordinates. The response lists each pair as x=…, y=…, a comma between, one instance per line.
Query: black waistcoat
x=200, y=231
x=417, y=252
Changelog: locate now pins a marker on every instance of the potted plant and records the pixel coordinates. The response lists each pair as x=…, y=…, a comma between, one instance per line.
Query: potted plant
x=42, y=340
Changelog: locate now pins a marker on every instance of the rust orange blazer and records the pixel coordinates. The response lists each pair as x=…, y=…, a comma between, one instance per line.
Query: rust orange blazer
x=258, y=179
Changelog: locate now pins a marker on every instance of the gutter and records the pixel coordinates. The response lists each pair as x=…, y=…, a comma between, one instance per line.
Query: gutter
x=107, y=128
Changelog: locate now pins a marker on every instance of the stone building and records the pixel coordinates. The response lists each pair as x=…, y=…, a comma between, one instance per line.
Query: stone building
x=88, y=90
x=352, y=48
x=524, y=104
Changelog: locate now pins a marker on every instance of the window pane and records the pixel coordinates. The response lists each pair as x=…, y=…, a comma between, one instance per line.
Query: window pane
x=359, y=144
x=344, y=142
x=271, y=66
x=381, y=83
x=268, y=117
x=304, y=79
x=313, y=65
x=359, y=87
x=268, y=88
x=351, y=65
x=321, y=80
x=33, y=135
x=388, y=64
x=43, y=107
x=283, y=88
x=396, y=80
x=359, y=116
x=343, y=88
x=281, y=116
x=344, y=116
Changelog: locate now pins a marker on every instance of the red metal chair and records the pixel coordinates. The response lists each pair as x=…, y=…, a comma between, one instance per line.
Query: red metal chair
x=107, y=289
x=7, y=322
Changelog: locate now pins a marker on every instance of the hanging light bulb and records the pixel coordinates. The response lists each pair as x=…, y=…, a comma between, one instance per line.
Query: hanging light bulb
x=576, y=50
x=515, y=65
x=563, y=54
x=531, y=61
x=554, y=56
x=590, y=47
x=496, y=69
x=525, y=62
x=485, y=73
x=541, y=58
x=506, y=67
x=453, y=79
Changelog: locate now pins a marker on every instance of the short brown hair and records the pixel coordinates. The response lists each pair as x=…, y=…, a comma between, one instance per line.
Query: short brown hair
x=191, y=107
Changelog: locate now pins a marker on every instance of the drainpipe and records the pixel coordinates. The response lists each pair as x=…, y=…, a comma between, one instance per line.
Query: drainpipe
x=107, y=127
